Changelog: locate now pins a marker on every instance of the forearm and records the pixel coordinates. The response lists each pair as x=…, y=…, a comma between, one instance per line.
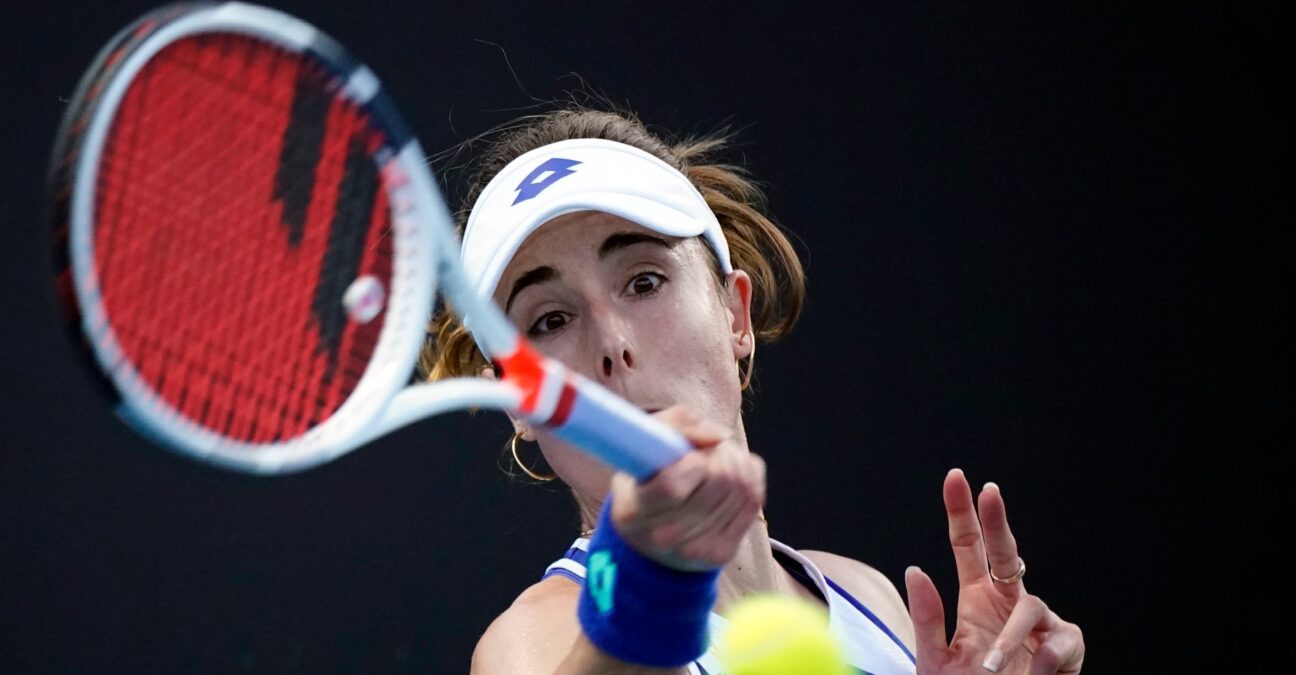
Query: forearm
x=585, y=658
x=516, y=648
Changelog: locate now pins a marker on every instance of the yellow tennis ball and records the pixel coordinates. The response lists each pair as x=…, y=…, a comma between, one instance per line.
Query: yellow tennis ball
x=778, y=635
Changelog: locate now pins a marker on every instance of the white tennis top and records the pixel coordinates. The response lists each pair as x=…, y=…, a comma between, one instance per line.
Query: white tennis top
x=869, y=645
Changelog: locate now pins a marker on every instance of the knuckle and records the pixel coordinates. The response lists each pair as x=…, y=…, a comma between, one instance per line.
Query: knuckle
x=622, y=482
x=675, y=491
x=1048, y=656
x=665, y=536
x=693, y=461
x=963, y=538
x=624, y=512
x=1035, y=603
x=677, y=415
x=692, y=550
x=703, y=552
x=721, y=432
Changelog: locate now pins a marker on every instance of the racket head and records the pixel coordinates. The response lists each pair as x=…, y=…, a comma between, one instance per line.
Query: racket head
x=243, y=236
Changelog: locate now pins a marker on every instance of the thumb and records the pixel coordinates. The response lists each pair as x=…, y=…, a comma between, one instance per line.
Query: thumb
x=928, y=616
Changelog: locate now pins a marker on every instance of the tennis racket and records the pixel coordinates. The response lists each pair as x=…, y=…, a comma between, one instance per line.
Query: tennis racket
x=250, y=241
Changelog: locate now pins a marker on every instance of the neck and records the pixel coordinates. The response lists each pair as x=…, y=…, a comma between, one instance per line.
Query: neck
x=753, y=570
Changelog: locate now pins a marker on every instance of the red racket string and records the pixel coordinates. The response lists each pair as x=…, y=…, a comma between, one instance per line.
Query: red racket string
x=236, y=202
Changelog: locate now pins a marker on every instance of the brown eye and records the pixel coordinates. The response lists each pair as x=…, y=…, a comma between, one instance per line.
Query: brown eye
x=548, y=323
x=645, y=284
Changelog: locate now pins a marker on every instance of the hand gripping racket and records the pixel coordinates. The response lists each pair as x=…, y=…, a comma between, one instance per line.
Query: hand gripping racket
x=250, y=241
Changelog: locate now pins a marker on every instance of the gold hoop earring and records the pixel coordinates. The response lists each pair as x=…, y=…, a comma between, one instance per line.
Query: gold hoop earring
x=513, y=446
x=744, y=378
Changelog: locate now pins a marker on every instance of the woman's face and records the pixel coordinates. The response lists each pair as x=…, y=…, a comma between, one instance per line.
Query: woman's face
x=641, y=313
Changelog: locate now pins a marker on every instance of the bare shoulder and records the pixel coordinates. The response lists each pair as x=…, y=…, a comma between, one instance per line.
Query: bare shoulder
x=534, y=634
x=871, y=587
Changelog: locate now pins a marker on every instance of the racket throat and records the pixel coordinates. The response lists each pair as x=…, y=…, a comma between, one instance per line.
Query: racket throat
x=548, y=394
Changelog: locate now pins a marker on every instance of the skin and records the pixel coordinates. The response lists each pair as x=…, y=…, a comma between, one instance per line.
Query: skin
x=645, y=316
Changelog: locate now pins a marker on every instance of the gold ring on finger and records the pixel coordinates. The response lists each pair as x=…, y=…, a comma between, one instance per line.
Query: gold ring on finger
x=1014, y=577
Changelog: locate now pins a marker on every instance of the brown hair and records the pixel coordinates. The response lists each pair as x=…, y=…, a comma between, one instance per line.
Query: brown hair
x=756, y=244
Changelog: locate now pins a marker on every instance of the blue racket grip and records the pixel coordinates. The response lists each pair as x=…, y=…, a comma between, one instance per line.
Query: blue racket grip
x=617, y=432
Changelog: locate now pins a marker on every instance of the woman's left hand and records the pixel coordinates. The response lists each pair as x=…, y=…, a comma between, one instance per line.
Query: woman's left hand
x=1000, y=627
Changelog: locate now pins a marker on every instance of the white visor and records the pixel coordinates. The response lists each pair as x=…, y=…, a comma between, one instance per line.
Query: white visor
x=586, y=174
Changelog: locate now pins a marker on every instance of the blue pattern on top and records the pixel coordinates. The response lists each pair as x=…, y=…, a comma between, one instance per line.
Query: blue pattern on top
x=553, y=170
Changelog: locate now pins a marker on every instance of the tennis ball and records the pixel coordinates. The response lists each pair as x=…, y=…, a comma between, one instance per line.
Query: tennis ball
x=779, y=635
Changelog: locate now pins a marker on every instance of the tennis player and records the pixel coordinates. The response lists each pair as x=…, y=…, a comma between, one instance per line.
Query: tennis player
x=651, y=269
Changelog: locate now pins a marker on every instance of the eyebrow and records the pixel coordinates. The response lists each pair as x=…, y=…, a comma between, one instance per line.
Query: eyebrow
x=614, y=243
x=538, y=275
x=621, y=240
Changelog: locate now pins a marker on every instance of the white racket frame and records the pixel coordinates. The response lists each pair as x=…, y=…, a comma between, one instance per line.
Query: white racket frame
x=425, y=255
x=413, y=283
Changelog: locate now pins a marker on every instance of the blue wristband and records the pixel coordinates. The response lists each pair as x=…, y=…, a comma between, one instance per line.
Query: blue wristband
x=640, y=611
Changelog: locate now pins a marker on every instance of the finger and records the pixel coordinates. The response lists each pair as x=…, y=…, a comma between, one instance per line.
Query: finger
x=677, y=416
x=735, y=482
x=671, y=486
x=1000, y=545
x=1029, y=614
x=624, y=494
x=675, y=483
x=706, y=435
x=742, y=521
x=753, y=474
x=701, y=433
x=928, y=616
x=716, y=539
x=964, y=530
x=635, y=504
x=1061, y=653
x=706, y=509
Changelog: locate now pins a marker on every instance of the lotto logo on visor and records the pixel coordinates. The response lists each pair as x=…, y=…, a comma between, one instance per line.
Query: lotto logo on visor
x=552, y=171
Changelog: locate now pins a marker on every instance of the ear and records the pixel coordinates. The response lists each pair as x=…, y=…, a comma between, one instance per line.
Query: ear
x=738, y=298
x=519, y=426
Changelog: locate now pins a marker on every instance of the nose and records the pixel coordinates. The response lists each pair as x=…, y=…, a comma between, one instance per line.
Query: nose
x=610, y=365
x=616, y=353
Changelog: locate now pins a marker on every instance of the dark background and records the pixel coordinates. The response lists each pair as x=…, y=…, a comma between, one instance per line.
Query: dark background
x=1043, y=244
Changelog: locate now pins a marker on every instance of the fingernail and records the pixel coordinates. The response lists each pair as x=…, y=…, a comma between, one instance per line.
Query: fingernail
x=912, y=569
x=993, y=660
x=990, y=484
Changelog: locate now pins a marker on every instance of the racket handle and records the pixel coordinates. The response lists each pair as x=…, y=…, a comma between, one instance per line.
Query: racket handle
x=589, y=416
x=617, y=432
